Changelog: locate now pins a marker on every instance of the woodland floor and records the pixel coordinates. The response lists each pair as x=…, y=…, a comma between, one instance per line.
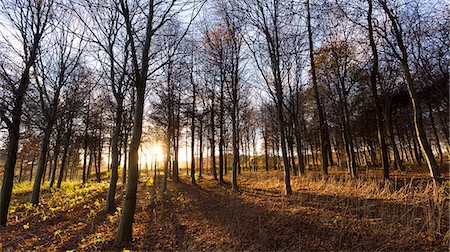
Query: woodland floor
x=338, y=215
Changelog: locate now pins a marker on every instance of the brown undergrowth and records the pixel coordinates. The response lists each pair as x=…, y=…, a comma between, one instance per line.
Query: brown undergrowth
x=334, y=215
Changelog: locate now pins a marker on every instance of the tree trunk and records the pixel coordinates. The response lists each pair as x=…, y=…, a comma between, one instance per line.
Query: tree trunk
x=225, y=165
x=221, y=132
x=175, y=153
x=213, y=141
x=378, y=110
x=301, y=164
x=200, y=162
x=51, y=161
x=100, y=148
x=291, y=150
x=416, y=151
x=281, y=128
x=85, y=143
x=194, y=92
x=235, y=149
x=55, y=157
x=436, y=135
x=110, y=197
x=166, y=162
x=32, y=168
x=418, y=120
x=8, y=176
x=41, y=163
x=124, y=232
x=47, y=160
x=330, y=154
x=125, y=158
x=348, y=132
x=323, y=127
x=21, y=170
x=398, y=164
x=66, y=151
x=266, y=154
x=312, y=155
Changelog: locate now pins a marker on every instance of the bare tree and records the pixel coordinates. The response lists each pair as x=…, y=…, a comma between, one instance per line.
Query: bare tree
x=155, y=15
x=53, y=71
x=400, y=50
x=324, y=135
x=29, y=20
x=268, y=21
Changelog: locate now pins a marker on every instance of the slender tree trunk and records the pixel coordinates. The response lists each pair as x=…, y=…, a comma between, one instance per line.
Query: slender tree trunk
x=32, y=168
x=109, y=155
x=291, y=150
x=323, y=128
x=194, y=92
x=166, y=162
x=338, y=153
x=416, y=151
x=404, y=152
x=266, y=154
x=124, y=232
x=41, y=163
x=47, y=160
x=100, y=148
x=221, y=132
x=56, y=156
x=110, y=197
x=48, y=167
x=314, y=163
x=85, y=143
x=21, y=170
x=213, y=142
x=418, y=120
x=281, y=128
x=125, y=158
x=242, y=158
x=235, y=149
x=378, y=109
x=348, y=134
x=91, y=157
x=200, y=162
x=398, y=164
x=225, y=165
x=66, y=151
x=175, y=153
x=364, y=153
x=301, y=164
x=436, y=135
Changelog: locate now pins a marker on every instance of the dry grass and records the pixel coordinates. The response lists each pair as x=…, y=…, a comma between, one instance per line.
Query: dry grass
x=416, y=204
x=339, y=214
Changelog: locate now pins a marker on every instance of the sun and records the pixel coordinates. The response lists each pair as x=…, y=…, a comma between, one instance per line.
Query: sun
x=155, y=152
x=151, y=153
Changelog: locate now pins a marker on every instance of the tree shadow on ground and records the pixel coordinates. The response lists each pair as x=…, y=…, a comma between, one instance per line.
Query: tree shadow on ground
x=38, y=234
x=256, y=227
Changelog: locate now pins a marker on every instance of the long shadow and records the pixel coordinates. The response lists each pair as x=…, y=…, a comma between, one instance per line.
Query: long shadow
x=39, y=228
x=100, y=217
x=164, y=231
x=254, y=227
x=406, y=214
